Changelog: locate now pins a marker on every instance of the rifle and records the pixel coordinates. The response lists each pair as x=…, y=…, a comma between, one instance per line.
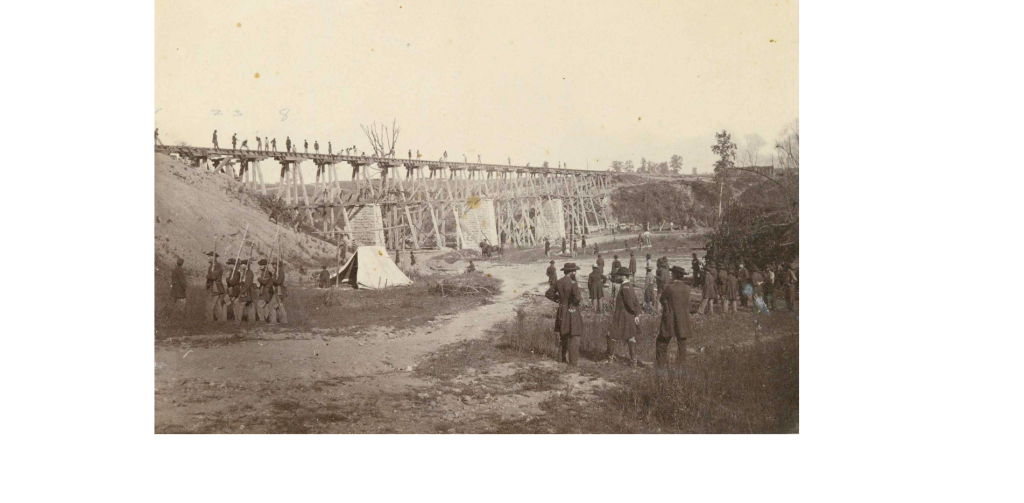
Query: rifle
x=239, y=254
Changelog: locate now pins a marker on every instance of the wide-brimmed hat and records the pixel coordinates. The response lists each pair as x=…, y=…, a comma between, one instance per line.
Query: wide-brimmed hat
x=552, y=261
x=263, y=261
x=622, y=271
x=570, y=266
x=231, y=261
x=678, y=269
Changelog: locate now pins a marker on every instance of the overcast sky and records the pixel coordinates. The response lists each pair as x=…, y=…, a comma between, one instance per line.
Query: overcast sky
x=575, y=81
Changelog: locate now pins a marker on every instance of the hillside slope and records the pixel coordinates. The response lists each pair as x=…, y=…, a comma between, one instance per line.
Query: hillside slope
x=195, y=207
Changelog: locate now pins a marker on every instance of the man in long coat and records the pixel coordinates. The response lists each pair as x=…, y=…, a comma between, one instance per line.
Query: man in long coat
x=552, y=274
x=246, y=306
x=266, y=281
x=568, y=321
x=595, y=286
x=215, y=285
x=625, y=317
x=732, y=291
x=675, y=320
x=632, y=267
x=233, y=279
x=600, y=263
x=280, y=293
x=708, y=290
x=324, y=278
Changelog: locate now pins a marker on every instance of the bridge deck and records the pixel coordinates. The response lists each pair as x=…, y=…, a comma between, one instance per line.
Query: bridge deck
x=254, y=155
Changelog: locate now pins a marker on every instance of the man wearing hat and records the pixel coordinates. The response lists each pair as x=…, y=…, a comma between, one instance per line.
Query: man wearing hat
x=708, y=290
x=178, y=282
x=568, y=321
x=233, y=290
x=595, y=285
x=632, y=267
x=789, y=279
x=616, y=264
x=215, y=285
x=280, y=293
x=625, y=317
x=675, y=320
x=325, y=278
x=600, y=263
x=552, y=273
x=246, y=306
x=266, y=281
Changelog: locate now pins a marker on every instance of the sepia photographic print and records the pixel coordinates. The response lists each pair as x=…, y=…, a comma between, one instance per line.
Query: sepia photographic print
x=476, y=217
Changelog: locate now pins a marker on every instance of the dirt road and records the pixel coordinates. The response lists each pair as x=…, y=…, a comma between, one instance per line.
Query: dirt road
x=206, y=387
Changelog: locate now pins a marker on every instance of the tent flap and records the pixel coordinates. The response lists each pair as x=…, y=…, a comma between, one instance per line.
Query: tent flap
x=371, y=267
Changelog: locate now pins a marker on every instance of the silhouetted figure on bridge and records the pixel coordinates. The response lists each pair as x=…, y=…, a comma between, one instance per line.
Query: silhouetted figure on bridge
x=329, y=152
x=156, y=136
x=259, y=144
x=418, y=153
x=273, y=143
x=288, y=144
x=478, y=158
x=410, y=153
x=305, y=145
x=316, y=146
x=446, y=156
x=509, y=161
x=245, y=144
x=234, y=141
x=266, y=144
x=215, y=139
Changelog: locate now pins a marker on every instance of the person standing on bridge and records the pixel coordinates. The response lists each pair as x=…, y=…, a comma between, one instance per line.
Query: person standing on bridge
x=445, y=156
x=329, y=151
x=259, y=144
x=464, y=160
x=273, y=144
x=410, y=154
x=316, y=146
x=305, y=146
x=245, y=144
x=478, y=158
x=288, y=144
x=234, y=141
x=418, y=155
x=266, y=144
x=156, y=135
x=354, y=150
x=215, y=139
x=568, y=320
x=510, y=161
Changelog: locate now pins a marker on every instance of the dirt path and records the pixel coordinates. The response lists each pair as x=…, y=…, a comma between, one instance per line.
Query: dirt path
x=208, y=383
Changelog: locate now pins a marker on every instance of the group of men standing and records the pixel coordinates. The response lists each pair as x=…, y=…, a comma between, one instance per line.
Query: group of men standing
x=626, y=311
x=266, y=144
x=244, y=294
x=734, y=285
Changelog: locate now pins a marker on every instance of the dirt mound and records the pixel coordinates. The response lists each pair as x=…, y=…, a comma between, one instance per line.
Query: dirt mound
x=195, y=207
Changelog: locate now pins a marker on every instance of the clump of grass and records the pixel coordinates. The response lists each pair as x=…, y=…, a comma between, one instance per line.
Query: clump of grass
x=473, y=284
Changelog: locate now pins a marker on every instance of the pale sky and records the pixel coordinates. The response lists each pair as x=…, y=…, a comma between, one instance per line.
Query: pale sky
x=574, y=81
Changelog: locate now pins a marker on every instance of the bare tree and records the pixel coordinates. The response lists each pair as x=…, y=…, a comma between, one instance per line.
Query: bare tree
x=787, y=147
x=381, y=139
x=751, y=152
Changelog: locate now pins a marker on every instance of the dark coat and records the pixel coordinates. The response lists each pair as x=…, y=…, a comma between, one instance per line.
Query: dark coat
x=248, y=291
x=757, y=280
x=675, y=318
x=325, y=278
x=732, y=287
x=178, y=282
x=266, y=285
x=616, y=264
x=566, y=293
x=214, y=283
x=600, y=264
x=279, y=288
x=595, y=284
x=627, y=308
x=632, y=265
x=552, y=275
x=709, y=290
x=234, y=283
x=664, y=278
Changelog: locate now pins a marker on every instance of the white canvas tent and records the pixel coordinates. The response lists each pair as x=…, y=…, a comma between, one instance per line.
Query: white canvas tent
x=370, y=267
